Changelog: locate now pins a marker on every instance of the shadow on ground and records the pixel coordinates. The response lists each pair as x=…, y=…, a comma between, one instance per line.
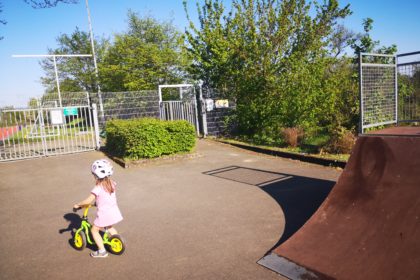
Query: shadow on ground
x=298, y=196
x=74, y=221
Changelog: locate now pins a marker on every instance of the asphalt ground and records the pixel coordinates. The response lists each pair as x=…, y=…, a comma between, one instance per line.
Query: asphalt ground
x=212, y=216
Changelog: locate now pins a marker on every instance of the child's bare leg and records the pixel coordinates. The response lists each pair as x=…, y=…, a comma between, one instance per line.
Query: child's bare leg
x=112, y=230
x=97, y=237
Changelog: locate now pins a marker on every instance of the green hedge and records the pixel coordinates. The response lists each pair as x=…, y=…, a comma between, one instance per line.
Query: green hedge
x=148, y=137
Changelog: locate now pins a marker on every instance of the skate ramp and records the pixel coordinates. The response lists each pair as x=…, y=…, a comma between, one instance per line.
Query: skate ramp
x=369, y=225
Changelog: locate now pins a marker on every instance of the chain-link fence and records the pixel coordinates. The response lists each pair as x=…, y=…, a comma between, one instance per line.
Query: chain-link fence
x=127, y=105
x=115, y=105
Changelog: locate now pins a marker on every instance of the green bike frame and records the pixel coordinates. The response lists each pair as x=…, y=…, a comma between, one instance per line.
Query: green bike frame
x=86, y=227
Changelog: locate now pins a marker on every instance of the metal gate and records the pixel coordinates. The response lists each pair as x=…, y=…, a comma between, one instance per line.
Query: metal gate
x=180, y=110
x=181, y=107
x=39, y=132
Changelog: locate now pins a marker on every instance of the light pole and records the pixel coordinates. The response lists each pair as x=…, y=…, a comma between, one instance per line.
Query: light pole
x=101, y=107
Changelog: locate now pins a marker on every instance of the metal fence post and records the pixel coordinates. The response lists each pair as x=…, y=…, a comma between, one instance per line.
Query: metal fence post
x=203, y=110
x=396, y=89
x=360, y=93
x=96, y=125
x=197, y=127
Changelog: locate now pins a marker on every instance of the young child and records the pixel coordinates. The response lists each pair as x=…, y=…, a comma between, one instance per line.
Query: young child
x=108, y=213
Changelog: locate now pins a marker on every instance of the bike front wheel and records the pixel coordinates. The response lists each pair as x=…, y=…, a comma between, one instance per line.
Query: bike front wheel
x=115, y=244
x=79, y=240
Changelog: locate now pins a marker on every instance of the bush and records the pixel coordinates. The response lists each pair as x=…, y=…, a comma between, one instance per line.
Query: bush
x=148, y=137
x=341, y=141
x=182, y=135
x=292, y=136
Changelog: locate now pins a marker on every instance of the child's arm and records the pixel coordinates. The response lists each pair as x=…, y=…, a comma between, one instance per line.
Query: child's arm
x=87, y=201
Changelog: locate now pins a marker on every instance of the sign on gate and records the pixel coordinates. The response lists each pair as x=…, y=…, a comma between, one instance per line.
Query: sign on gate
x=221, y=103
x=209, y=104
x=56, y=116
x=70, y=111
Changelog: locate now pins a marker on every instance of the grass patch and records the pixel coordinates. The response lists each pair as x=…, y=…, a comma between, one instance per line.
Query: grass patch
x=309, y=148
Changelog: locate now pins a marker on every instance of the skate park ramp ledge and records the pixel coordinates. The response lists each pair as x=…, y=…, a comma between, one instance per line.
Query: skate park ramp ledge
x=369, y=225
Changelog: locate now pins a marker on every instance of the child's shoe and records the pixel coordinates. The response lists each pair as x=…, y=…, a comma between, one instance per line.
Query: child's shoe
x=98, y=254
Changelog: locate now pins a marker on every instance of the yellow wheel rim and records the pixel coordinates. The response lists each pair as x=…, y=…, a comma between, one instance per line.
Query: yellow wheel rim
x=78, y=241
x=116, y=245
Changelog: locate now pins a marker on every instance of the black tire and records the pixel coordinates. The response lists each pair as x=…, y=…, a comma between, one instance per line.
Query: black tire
x=79, y=240
x=117, y=246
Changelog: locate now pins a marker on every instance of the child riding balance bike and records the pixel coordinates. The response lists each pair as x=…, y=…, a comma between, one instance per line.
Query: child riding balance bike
x=108, y=214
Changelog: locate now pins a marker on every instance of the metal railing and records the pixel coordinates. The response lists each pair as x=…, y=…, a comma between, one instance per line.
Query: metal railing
x=180, y=110
x=408, y=67
x=38, y=132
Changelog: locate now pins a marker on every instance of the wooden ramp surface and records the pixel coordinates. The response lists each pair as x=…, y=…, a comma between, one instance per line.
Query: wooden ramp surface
x=369, y=225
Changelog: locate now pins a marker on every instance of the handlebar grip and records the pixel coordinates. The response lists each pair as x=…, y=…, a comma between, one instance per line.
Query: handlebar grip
x=75, y=209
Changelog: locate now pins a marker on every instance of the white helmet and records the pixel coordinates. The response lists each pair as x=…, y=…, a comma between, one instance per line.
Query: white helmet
x=102, y=168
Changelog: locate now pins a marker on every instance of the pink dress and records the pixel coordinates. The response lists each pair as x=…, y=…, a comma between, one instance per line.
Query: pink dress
x=107, y=213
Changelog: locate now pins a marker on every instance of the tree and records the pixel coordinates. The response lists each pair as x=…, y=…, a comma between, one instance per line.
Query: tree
x=41, y=4
x=149, y=53
x=271, y=57
x=342, y=38
x=1, y=20
x=348, y=105
x=33, y=103
x=365, y=44
x=210, y=46
x=75, y=73
x=346, y=76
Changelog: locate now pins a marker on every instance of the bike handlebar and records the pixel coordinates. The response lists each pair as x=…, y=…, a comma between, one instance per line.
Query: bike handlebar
x=83, y=206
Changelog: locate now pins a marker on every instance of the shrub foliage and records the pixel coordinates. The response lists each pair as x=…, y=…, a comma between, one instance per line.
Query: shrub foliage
x=148, y=137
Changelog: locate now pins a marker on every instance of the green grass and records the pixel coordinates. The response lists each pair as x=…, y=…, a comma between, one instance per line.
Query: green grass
x=309, y=148
x=23, y=136
x=317, y=140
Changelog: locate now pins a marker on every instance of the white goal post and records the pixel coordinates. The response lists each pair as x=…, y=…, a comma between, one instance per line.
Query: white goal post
x=55, y=65
x=179, y=86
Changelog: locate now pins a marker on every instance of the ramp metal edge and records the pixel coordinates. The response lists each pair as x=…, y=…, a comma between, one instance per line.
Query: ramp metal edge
x=290, y=269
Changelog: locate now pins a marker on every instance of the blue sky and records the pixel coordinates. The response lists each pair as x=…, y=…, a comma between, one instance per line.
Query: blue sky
x=33, y=31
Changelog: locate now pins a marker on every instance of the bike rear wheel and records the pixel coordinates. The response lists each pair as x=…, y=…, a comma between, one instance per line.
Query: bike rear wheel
x=115, y=244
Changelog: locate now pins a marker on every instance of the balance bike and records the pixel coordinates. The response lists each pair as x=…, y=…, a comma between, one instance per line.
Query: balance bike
x=113, y=243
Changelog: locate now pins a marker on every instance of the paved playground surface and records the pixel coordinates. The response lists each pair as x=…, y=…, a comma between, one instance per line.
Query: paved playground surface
x=208, y=217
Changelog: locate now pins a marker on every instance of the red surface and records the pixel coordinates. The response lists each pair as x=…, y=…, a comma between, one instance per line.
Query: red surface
x=399, y=130
x=369, y=225
x=6, y=132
